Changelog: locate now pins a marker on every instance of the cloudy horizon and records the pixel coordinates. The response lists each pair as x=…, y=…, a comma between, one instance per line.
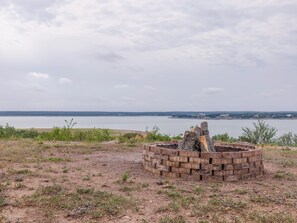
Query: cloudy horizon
x=169, y=55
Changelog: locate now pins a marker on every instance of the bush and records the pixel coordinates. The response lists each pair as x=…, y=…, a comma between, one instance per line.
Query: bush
x=262, y=133
x=224, y=138
x=288, y=139
x=154, y=135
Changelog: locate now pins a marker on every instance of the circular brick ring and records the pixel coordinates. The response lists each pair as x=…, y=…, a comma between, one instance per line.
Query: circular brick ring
x=231, y=162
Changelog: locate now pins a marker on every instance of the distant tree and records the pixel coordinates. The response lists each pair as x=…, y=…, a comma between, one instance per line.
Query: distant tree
x=224, y=138
x=262, y=133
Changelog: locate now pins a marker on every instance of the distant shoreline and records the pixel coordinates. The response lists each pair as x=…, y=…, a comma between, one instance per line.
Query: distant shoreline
x=211, y=115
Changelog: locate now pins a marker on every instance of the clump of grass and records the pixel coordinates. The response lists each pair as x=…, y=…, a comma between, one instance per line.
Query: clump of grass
x=285, y=175
x=177, y=219
x=19, y=185
x=155, y=135
x=125, y=177
x=2, y=196
x=95, y=204
x=55, y=159
x=199, y=189
x=126, y=189
x=270, y=218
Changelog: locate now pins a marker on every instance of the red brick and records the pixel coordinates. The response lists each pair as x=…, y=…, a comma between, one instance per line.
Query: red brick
x=198, y=160
x=231, y=154
x=170, y=152
x=186, y=165
x=248, y=154
x=180, y=170
x=254, y=158
x=228, y=167
x=169, y=163
x=245, y=165
x=218, y=173
x=240, y=172
x=237, y=166
x=188, y=153
x=156, y=150
x=160, y=156
x=222, y=161
x=214, y=155
x=163, y=168
x=239, y=160
x=184, y=159
x=207, y=167
x=217, y=167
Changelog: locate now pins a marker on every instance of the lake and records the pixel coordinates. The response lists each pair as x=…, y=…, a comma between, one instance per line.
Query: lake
x=165, y=124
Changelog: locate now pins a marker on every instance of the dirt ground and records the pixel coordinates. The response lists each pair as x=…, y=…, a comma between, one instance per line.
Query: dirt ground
x=104, y=182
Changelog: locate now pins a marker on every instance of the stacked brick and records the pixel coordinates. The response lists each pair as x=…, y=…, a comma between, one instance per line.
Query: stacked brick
x=232, y=162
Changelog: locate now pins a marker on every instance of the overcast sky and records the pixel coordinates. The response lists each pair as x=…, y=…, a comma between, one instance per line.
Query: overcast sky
x=148, y=55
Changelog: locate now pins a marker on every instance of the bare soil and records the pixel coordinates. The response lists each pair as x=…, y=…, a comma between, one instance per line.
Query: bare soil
x=28, y=166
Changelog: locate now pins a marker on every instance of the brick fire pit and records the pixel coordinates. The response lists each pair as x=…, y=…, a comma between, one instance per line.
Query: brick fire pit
x=230, y=162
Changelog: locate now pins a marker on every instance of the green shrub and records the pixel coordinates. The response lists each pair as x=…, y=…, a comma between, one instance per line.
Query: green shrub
x=154, y=135
x=288, y=139
x=224, y=138
x=262, y=133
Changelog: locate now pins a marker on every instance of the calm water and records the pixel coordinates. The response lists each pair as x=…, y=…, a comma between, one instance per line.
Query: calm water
x=166, y=125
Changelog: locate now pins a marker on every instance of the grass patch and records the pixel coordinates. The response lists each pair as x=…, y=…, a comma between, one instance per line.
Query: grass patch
x=281, y=157
x=285, y=175
x=85, y=201
x=272, y=218
x=176, y=219
x=56, y=159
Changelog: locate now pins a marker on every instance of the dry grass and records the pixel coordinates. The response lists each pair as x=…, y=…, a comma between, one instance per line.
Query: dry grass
x=76, y=182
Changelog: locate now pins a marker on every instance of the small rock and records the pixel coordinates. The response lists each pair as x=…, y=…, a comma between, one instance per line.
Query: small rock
x=160, y=182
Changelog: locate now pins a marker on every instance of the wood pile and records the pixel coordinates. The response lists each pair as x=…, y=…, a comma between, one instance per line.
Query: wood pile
x=197, y=139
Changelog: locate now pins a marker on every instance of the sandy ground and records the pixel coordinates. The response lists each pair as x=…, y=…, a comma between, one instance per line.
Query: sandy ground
x=102, y=167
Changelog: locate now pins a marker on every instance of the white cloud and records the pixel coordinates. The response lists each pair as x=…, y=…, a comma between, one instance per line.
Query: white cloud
x=212, y=90
x=38, y=75
x=122, y=86
x=64, y=80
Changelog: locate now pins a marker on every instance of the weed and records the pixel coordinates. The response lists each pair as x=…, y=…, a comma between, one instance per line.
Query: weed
x=126, y=189
x=285, y=175
x=19, y=185
x=95, y=204
x=241, y=191
x=87, y=178
x=55, y=159
x=125, y=177
x=199, y=189
x=144, y=185
x=177, y=219
x=154, y=135
x=271, y=218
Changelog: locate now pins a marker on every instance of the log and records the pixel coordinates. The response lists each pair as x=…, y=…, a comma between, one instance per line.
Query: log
x=206, y=144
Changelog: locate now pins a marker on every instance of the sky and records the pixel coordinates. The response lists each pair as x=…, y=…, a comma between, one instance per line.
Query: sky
x=165, y=55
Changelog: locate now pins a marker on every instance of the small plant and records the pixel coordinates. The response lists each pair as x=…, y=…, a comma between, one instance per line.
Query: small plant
x=262, y=133
x=224, y=138
x=177, y=219
x=284, y=175
x=19, y=185
x=55, y=159
x=155, y=135
x=125, y=177
x=70, y=124
x=199, y=189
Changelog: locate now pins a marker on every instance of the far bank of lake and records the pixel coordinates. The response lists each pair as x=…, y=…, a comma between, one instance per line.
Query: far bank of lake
x=141, y=123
